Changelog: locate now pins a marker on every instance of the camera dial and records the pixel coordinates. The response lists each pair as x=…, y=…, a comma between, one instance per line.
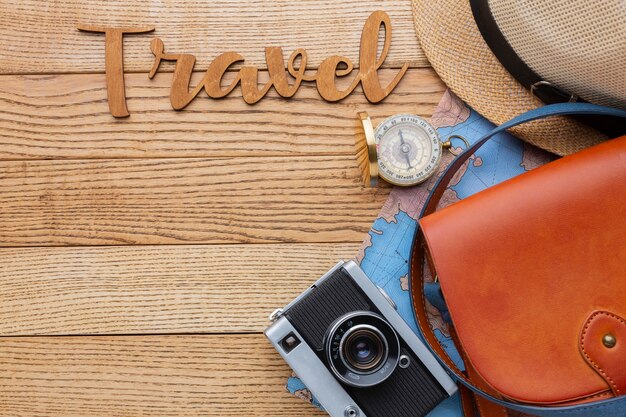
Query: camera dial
x=362, y=349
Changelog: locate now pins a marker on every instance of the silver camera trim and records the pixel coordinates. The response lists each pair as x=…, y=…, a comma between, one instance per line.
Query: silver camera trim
x=312, y=371
x=316, y=375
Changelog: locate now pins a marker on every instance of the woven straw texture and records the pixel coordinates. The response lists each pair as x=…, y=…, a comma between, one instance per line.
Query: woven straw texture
x=578, y=45
x=456, y=50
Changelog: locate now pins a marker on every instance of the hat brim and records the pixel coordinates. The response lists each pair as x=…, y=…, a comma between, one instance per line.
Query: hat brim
x=456, y=50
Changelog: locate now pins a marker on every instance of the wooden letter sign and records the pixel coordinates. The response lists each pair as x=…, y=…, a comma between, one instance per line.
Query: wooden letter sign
x=280, y=75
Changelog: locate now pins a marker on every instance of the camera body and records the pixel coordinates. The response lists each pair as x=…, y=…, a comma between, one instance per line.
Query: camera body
x=345, y=340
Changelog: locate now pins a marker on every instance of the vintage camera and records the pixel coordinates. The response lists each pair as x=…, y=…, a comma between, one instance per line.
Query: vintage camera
x=346, y=342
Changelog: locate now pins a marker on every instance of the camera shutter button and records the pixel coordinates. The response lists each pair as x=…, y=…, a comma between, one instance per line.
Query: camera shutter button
x=389, y=300
x=275, y=315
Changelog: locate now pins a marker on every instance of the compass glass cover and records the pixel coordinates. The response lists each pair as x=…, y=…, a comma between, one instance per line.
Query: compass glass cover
x=409, y=149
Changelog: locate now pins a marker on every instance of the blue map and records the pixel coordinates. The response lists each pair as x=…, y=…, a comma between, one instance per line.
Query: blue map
x=385, y=253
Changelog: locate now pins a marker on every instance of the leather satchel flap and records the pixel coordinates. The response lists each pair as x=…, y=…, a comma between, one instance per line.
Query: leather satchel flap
x=523, y=266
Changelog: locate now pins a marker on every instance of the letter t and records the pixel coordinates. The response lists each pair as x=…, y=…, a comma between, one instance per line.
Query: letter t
x=114, y=64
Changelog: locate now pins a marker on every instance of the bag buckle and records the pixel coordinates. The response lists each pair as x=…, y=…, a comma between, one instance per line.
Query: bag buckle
x=556, y=91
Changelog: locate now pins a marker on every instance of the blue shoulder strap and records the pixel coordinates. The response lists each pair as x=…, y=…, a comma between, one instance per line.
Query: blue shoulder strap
x=560, y=109
x=614, y=407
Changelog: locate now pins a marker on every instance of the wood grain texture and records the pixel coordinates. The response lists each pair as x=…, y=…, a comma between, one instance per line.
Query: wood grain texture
x=226, y=376
x=160, y=201
x=155, y=289
x=114, y=64
x=233, y=209
x=41, y=36
x=67, y=116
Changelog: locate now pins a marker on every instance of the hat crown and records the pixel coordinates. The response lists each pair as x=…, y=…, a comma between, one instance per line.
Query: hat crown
x=579, y=46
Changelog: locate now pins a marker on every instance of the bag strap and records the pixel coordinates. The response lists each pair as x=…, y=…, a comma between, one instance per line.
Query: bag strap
x=560, y=109
x=419, y=251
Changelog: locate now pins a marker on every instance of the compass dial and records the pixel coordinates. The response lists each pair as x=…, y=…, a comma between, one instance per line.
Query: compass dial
x=409, y=149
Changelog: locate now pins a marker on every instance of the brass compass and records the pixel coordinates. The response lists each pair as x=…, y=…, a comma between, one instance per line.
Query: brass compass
x=403, y=150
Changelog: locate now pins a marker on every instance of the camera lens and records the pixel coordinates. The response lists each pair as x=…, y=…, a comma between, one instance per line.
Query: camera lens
x=363, y=348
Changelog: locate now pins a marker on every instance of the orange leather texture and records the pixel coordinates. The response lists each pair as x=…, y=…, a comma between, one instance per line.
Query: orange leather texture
x=524, y=264
x=609, y=361
x=484, y=406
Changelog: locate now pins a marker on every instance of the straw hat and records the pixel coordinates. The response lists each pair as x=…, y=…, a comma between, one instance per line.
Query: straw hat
x=569, y=49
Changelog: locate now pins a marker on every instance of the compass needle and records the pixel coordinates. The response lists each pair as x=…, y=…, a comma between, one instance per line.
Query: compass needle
x=408, y=160
x=404, y=148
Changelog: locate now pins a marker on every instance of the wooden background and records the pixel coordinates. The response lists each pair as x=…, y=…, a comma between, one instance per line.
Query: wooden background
x=140, y=257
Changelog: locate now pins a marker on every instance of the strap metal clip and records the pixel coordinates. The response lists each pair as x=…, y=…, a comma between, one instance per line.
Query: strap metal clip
x=533, y=90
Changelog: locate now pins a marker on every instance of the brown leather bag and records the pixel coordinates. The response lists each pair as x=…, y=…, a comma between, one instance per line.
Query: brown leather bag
x=533, y=272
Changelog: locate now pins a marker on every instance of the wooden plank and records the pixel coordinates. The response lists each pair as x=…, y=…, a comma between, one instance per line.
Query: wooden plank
x=226, y=376
x=155, y=289
x=67, y=116
x=41, y=37
x=161, y=201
